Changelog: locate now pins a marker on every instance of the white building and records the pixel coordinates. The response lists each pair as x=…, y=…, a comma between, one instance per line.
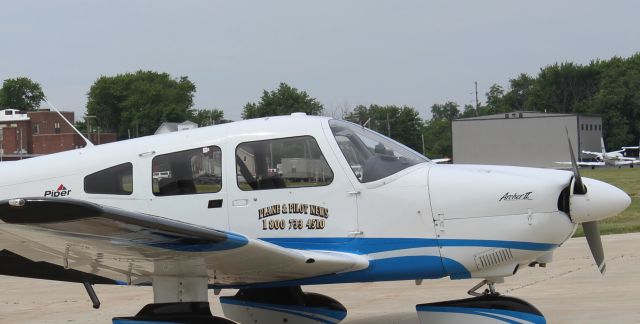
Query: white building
x=532, y=139
x=167, y=127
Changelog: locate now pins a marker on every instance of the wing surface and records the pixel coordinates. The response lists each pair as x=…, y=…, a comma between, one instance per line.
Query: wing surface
x=627, y=162
x=584, y=163
x=133, y=247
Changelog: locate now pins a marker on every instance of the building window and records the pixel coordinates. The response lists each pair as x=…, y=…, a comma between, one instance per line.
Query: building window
x=36, y=129
x=188, y=172
x=116, y=180
x=582, y=127
x=281, y=163
x=56, y=127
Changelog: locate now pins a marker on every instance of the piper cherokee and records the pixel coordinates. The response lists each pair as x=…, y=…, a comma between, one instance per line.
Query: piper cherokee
x=268, y=205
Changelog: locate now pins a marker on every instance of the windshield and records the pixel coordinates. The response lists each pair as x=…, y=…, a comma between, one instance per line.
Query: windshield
x=371, y=155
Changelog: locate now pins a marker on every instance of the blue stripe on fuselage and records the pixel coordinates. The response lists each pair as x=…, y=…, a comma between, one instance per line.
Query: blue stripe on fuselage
x=362, y=245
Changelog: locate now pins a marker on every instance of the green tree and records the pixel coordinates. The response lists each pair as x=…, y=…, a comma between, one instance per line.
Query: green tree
x=562, y=87
x=517, y=96
x=21, y=93
x=437, y=131
x=207, y=117
x=495, y=102
x=137, y=103
x=607, y=88
x=282, y=101
x=618, y=101
x=447, y=111
x=469, y=111
x=402, y=123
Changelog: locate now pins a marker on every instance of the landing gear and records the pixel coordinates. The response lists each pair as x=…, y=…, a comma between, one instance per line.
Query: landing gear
x=183, y=313
x=282, y=305
x=491, y=289
x=181, y=300
x=486, y=307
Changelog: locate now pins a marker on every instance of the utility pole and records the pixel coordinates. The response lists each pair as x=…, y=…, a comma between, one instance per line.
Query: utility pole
x=19, y=132
x=388, y=125
x=477, y=102
x=424, y=152
x=88, y=125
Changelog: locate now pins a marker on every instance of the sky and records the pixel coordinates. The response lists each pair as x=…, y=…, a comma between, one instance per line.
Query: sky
x=344, y=53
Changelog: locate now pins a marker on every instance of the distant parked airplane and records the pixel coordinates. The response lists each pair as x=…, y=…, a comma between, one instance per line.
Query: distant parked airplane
x=604, y=158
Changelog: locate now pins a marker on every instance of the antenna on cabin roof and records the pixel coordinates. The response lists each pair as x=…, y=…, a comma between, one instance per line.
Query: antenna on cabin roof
x=89, y=144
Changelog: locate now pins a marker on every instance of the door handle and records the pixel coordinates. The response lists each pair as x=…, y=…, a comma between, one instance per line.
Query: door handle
x=240, y=202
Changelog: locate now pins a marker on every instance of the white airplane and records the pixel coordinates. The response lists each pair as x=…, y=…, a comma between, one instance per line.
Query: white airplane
x=613, y=158
x=347, y=205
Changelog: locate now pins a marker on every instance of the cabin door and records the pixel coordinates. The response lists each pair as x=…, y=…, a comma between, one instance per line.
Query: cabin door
x=289, y=189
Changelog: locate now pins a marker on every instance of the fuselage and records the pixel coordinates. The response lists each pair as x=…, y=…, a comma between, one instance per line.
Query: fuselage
x=292, y=181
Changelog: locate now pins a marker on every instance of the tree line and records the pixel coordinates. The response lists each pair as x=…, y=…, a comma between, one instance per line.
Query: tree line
x=607, y=88
x=135, y=104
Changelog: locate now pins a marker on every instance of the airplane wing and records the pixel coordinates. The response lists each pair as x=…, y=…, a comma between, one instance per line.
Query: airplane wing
x=584, y=163
x=133, y=247
x=443, y=160
x=592, y=153
x=627, y=161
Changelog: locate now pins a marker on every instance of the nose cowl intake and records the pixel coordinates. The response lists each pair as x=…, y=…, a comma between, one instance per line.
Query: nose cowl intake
x=601, y=201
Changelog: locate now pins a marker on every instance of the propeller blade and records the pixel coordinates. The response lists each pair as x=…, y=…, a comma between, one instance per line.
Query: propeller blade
x=578, y=186
x=592, y=233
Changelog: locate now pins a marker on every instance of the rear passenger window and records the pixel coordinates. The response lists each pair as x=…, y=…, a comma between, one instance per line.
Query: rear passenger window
x=187, y=172
x=281, y=163
x=117, y=180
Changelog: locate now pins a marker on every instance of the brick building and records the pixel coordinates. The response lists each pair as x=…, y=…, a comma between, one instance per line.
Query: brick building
x=34, y=133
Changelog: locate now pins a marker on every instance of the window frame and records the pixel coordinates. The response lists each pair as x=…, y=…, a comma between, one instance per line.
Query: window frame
x=157, y=194
x=312, y=138
x=361, y=146
x=122, y=193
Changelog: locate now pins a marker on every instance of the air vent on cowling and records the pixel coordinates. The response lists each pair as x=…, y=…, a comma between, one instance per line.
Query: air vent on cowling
x=492, y=258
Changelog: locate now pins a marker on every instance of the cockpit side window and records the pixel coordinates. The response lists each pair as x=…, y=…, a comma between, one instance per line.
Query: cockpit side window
x=281, y=163
x=116, y=180
x=370, y=155
x=188, y=172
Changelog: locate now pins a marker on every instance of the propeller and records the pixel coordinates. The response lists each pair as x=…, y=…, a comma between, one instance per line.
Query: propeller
x=591, y=230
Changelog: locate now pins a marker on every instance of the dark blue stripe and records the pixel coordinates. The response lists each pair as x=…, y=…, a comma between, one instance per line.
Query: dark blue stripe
x=343, y=244
x=492, y=313
x=363, y=245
